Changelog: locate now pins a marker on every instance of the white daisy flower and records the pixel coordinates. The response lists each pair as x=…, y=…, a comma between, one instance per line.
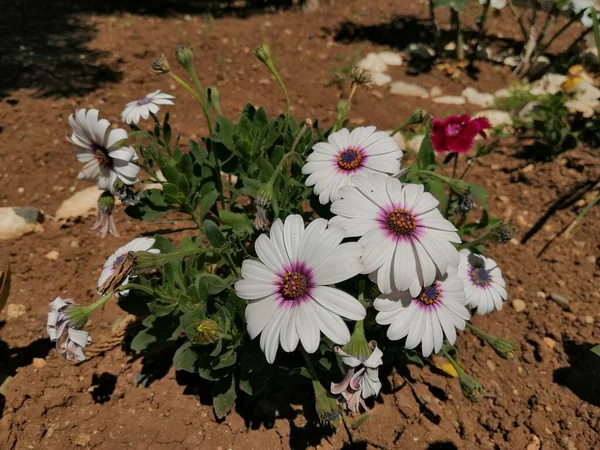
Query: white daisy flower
x=144, y=106
x=100, y=150
x=496, y=4
x=438, y=310
x=290, y=300
x=361, y=151
x=406, y=241
x=485, y=288
x=142, y=244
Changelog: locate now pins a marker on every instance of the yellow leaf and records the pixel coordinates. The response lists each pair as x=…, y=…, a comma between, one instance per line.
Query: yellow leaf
x=569, y=84
x=575, y=70
x=444, y=366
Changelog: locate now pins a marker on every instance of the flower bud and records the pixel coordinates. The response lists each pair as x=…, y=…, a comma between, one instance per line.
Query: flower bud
x=505, y=348
x=160, y=65
x=207, y=331
x=147, y=261
x=327, y=406
x=471, y=388
x=185, y=56
x=263, y=53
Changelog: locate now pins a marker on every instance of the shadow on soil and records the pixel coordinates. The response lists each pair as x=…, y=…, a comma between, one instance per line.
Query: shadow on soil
x=47, y=48
x=13, y=358
x=582, y=374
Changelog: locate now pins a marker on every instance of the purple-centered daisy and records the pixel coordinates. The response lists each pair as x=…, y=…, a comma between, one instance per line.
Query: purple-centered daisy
x=144, y=106
x=484, y=286
x=406, y=241
x=345, y=154
x=290, y=300
x=437, y=310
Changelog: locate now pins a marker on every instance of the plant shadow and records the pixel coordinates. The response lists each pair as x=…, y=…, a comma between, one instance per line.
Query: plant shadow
x=583, y=372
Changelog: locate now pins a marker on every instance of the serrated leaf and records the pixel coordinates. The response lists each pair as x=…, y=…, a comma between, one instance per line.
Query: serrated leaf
x=224, y=397
x=239, y=222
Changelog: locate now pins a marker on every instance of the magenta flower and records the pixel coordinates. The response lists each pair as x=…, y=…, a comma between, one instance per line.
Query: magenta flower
x=457, y=133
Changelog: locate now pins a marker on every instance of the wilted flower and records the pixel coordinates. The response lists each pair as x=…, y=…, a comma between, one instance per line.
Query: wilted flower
x=361, y=379
x=464, y=205
x=104, y=223
x=72, y=349
x=457, y=133
x=63, y=315
x=503, y=233
x=160, y=65
x=143, y=107
x=361, y=77
x=485, y=288
x=261, y=221
x=126, y=194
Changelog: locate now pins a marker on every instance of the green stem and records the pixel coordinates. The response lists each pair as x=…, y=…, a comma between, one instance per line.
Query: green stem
x=204, y=101
x=279, y=80
x=198, y=99
x=99, y=302
x=460, y=51
x=479, y=332
x=137, y=287
x=479, y=239
x=451, y=360
x=344, y=113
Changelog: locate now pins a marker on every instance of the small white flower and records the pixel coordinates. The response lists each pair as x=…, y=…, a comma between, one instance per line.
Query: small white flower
x=144, y=106
x=362, y=378
x=496, y=4
x=113, y=262
x=290, y=300
x=484, y=286
x=362, y=151
x=438, y=310
x=101, y=150
x=406, y=241
x=58, y=320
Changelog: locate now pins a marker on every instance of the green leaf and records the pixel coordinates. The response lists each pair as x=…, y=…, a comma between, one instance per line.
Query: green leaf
x=436, y=188
x=356, y=425
x=214, y=234
x=199, y=152
x=224, y=397
x=151, y=205
x=142, y=340
x=254, y=383
x=239, y=222
x=596, y=350
x=210, y=284
x=225, y=360
x=185, y=358
x=426, y=153
x=207, y=200
x=301, y=371
x=479, y=194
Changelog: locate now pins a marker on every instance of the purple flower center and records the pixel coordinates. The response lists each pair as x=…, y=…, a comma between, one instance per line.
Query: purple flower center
x=101, y=155
x=452, y=129
x=119, y=260
x=429, y=295
x=401, y=222
x=350, y=159
x=480, y=276
x=144, y=101
x=293, y=285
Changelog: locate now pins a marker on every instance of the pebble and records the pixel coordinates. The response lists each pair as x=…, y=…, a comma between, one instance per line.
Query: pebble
x=550, y=342
x=541, y=294
x=435, y=91
x=534, y=443
x=38, y=363
x=589, y=320
x=450, y=100
x=518, y=305
x=74, y=244
x=21, y=190
x=80, y=204
x=390, y=58
x=52, y=255
x=408, y=89
x=83, y=440
x=380, y=79
x=491, y=365
x=372, y=63
x=496, y=117
x=560, y=300
x=18, y=221
x=474, y=97
x=14, y=310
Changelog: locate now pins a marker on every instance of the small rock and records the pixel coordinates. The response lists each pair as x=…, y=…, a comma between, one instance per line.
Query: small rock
x=80, y=204
x=83, y=440
x=311, y=6
x=74, y=244
x=421, y=51
x=502, y=93
x=18, y=221
x=372, y=63
x=14, y=310
x=415, y=143
x=450, y=100
x=380, y=79
x=518, y=305
x=512, y=61
x=560, y=301
x=541, y=294
x=408, y=89
x=435, y=91
x=38, y=363
x=390, y=58
x=491, y=365
x=561, y=283
x=534, y=443
x=52, y=255
x=587, y=109
x=496, y=117
x=550, y=342
x=474, y=97
x=589, y=320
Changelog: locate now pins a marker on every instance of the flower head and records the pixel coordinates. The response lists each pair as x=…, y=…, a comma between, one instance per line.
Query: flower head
x=102, y=151
x=332, y=164
x=361, y=379
x=114, y=263
x=437, y=311
x=290, y=300
x=72, y=345
x=104, y=223
x=406, y=241
x=457, y=133
x=485, y=288
x=143, y=107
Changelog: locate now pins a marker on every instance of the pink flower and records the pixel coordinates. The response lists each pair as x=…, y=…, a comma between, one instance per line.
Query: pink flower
x=457, y=133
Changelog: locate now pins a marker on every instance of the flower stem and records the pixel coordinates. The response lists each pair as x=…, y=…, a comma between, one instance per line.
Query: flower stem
x=197, y=97
x=460, y=51
x=343, y=114
x=307, y=123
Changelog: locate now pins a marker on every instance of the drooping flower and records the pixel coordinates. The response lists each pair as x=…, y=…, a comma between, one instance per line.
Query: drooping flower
x=102, y=151
x=144, y=106
x=104, y=223
x=406, y=241
x=496, y=4
x=332, y=164
x=71, y=346
x=113, y=262
x=362, y=378
x=485, y=288
x=290, y=300
x=457, y=133
x=437, y=311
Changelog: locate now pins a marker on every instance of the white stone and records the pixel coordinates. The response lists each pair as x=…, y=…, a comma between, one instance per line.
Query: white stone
x=474, y=97
x=450, y=100
x=586, y=91
x=52, y=255
x=372, y=63
x=380, y=79
x=390, y=58
x=512, y=61
x=408, y=89
x=80, y=204
x=502, y=93
x=14, y=225
x=548, y=84
x=415, y=143
x=435, y=91
x=496, y=117
x=586, y=108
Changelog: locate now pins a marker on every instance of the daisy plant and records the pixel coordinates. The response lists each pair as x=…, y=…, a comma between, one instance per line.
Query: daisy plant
x=309, y=252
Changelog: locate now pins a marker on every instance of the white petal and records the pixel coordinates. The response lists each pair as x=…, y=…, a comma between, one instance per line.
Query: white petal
x=427, y=340
x=332, y=326
x=343, y=263
x=258, y=271
x=404, y=265
x=373, y=188
x=376, y=248
x=293, y=231
x=268, y=253
x=115, y=136
x=259, y=314
x=338, y=302
x=417, y=327
x=307, y=327
x=253, y=289
x=269, y=338
x=289, y=336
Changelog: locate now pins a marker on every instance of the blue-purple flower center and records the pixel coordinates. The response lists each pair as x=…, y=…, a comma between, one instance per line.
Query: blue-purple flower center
x=452, y=129
x=480, y=276
x=144, y=101
x=293, y=285
x=429, y=295
x=350, y=159
x=119, y=260
x=401, y=222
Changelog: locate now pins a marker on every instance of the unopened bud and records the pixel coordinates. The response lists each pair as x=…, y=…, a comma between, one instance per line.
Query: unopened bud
x=207, y=331
x=505, y=348
x=185, y=56
x=263, y=53
x=106, y=202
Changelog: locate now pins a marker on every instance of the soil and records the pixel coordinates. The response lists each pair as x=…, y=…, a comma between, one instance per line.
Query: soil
x=92, y=55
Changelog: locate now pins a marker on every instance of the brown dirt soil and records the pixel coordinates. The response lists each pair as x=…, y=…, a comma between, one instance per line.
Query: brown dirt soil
x=548, y=399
